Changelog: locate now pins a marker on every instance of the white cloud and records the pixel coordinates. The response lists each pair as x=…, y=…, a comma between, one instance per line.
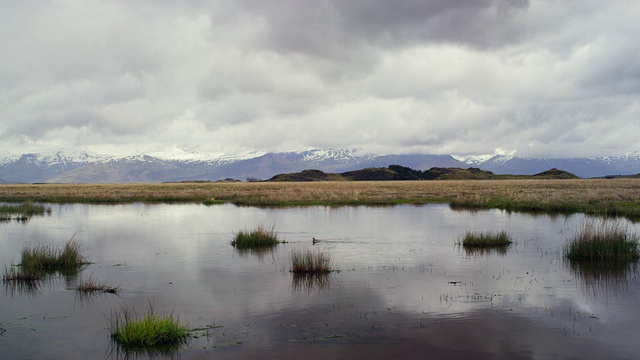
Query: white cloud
x=543, y=78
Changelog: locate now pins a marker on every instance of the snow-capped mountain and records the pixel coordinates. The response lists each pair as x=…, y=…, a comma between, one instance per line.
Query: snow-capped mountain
x=473, y=160
x=583, y=167
x=181, y=165
x=39, y=167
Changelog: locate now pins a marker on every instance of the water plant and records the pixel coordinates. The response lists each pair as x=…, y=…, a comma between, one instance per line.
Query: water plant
x=49, y=258
x=151, y=331
x=91, y=286
x=485, y=239
x=259, y=237
x=607, y=239
x=27, y=209
x=309, y=262
x=21, y=212
x=16, y=273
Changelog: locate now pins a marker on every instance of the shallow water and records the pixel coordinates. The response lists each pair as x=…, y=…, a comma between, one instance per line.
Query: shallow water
x=404, y=287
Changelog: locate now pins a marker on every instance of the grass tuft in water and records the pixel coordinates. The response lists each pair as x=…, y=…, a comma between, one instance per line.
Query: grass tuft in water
x=27, y=209
x=259, y=237
x=151, y=331
x=308, y=262
x=91, y=286
x=485, y=239
x=606, y=240
x=14, y=273
x=48, y=258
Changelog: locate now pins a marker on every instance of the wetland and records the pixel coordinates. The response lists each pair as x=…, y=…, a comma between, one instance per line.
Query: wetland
x=402, y=284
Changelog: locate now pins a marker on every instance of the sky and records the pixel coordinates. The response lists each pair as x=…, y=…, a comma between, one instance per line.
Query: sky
x=531, y=78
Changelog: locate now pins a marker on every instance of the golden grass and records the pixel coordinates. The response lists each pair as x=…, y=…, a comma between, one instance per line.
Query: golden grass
x=612, y=196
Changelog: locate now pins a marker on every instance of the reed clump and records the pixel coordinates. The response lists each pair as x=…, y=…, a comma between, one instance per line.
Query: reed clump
x=259, y=237
x=309, y=262
x=485, y=239
x=49, y=258
x=91, y=286
x=606, y=239
x=22, y=212
x=15, y=273
x=149, y=331
x=27, y=209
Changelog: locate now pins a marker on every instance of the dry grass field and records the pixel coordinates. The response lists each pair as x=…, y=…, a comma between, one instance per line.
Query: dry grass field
x=597, y=196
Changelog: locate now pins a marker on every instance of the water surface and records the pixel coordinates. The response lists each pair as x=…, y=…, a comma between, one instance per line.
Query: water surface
x=404, y=287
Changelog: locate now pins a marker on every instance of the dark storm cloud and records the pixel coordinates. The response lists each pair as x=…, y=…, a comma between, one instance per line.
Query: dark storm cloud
x=331, y=27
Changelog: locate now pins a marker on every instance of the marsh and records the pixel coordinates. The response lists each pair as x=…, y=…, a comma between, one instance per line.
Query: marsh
x=403, y=288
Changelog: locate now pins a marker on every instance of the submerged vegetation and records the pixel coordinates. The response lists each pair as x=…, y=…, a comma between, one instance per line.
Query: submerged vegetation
x=151, y=331
x=259, y=237
x=607, y=239
x=308, y=262
x=485, y=239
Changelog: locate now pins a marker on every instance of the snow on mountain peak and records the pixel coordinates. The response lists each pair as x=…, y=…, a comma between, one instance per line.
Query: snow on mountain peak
x=473, y=160
x=179, y=154
x=340, y=155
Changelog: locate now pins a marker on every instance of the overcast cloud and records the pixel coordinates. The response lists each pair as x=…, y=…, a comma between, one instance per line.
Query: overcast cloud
x=553, y=78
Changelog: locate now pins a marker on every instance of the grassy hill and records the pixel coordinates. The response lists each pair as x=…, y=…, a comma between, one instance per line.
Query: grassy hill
x=397, y=172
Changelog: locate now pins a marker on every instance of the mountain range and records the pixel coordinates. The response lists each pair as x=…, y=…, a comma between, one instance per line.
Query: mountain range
x=82, y=167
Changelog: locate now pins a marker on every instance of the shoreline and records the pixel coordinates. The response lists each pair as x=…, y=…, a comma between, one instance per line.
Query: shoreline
x=614, y=197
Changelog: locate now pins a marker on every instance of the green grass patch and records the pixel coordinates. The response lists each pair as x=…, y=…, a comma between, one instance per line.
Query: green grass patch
x=49, y=258
x=40, y=261
x=606, y=239
x=259, y=237
x=151, y=331
x=628, y=209
x=485, y=239
x=309, y=262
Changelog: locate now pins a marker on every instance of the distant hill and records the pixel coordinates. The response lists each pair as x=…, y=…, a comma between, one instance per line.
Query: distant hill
x=459, y=174
x=308, y=175
x=397, y=172
x=555, y=174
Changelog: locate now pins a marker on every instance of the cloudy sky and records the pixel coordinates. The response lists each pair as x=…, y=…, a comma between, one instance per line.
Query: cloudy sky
x=462, y=77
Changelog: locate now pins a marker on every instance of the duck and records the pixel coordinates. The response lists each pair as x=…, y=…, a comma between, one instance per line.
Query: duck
x=314, y=240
